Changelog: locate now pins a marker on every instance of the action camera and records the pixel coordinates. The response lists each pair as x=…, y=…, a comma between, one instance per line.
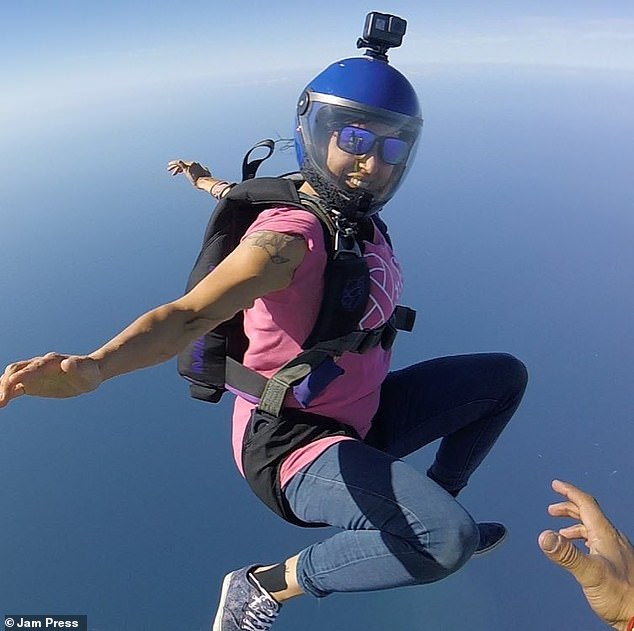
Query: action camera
x=381, y=32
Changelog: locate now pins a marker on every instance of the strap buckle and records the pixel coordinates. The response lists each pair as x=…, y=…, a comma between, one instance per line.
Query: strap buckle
x=370, y=339
x=403, y=318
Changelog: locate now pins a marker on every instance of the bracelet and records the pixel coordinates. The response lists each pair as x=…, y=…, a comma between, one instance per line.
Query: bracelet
x=630, y=625
x=220, y=189
x=217, y=188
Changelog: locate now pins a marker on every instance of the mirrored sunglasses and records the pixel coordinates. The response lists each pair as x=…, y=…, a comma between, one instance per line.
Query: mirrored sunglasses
x=358, y=141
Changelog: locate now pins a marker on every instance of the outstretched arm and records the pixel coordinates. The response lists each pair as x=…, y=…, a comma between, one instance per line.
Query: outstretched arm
x=606, y=574
x=264, y=262
x=200, y=177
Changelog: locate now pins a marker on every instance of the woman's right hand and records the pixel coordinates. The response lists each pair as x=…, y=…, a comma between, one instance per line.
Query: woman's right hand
x=53, y=375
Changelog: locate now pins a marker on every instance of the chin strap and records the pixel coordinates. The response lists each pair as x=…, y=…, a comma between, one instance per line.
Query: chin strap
x=353, y=204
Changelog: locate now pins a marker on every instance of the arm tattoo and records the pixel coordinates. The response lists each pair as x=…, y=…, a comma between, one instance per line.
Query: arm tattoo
x=273, y=243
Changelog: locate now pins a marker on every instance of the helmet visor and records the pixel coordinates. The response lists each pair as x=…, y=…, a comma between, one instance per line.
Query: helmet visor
x=355, y=146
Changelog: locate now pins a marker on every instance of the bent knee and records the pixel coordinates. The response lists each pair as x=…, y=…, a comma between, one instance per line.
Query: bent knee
x=455, y=543
x=458, y=543
x=447, y=548
x=514, y=371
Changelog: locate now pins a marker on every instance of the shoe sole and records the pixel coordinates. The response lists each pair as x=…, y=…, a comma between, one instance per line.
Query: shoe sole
x=217, y=626
x=497, y=544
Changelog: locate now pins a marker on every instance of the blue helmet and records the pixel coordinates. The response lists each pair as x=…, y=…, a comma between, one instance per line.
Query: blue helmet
x=366, y=107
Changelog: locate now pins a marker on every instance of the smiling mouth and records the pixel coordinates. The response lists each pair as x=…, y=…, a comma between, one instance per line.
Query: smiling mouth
x=355, y=182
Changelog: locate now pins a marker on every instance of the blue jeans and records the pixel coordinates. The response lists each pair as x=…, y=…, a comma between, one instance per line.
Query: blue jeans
x=401, y=527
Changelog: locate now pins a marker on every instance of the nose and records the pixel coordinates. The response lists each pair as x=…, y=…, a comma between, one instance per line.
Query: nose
x=369, y=163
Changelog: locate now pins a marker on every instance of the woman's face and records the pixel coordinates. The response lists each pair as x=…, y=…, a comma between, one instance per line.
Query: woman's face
x=366, y=171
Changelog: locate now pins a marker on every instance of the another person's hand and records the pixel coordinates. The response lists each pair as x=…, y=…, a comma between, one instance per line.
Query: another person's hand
x=606, y=573
x=193, y=171
x=53, y=375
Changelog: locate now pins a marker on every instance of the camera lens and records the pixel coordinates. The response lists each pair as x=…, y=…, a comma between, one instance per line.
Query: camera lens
x=381, y=24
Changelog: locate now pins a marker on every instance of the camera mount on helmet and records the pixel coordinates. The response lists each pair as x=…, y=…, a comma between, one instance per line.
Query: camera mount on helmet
x=381, y=32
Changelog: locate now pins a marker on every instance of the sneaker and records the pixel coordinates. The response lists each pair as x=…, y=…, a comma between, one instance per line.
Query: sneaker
x=244, y=604
x=492, y=535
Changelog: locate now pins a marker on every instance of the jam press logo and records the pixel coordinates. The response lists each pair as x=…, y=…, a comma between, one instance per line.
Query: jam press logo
x=23, y=621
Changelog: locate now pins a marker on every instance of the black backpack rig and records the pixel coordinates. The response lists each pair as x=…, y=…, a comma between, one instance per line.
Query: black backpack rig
x=213, y=362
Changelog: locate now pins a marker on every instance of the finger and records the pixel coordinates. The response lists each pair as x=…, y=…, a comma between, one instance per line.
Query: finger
x=9, y=371
x=19, y=390
x=563, y=553
x=14, y=367
x=571, y=492
x=577, y=531
x=589, y=510
x=564, y=509
x=25, y=371
x=14, y=392
x=181, y=165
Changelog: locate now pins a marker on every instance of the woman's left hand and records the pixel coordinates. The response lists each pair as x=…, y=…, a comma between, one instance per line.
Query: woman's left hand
x=193, y=171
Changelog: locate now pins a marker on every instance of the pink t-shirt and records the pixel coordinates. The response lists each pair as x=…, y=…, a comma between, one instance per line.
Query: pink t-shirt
x=279, y=322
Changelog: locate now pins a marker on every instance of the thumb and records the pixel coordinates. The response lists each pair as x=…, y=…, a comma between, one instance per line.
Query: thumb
x=83, y=372
x=565, y=554
x=81, y=366
x=69, y=363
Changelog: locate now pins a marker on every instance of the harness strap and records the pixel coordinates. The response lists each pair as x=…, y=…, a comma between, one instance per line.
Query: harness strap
x=275, y=389
x=313, y=205
x=250, y=167
x=272, y=392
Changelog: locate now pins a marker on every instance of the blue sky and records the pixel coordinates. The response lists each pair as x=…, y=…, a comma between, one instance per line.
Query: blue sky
x=63, y=54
